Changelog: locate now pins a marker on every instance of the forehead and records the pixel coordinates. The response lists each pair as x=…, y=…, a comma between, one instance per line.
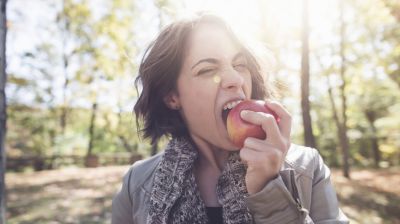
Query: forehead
x=208, y=40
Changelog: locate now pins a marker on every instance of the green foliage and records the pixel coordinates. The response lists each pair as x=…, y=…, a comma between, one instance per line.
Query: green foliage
x=98, y=51
x=371, y=93
x=31, y=131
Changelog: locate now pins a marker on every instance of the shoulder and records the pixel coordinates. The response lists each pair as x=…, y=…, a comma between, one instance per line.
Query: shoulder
x=303, y=159
x=127, y=203
x=141, y=172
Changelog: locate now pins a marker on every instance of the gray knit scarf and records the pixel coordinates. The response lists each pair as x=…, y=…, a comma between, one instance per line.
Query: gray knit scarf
x=175, y=197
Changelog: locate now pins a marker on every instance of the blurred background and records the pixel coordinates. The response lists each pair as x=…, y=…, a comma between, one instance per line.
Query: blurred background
x=71, y=65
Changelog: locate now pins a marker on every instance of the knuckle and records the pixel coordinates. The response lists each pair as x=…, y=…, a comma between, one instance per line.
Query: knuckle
x=244, y=154
x=248, y=143
x=276, y=155
x=282, y=145
x=268, y=118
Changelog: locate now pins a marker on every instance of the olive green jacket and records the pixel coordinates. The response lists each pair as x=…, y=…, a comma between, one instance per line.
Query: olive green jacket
x=302, y=193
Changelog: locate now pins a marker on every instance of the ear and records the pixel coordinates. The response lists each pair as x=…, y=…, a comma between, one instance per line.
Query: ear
x=172, y=101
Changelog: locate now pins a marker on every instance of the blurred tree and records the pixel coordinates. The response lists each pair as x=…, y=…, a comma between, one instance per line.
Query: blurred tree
x=35, y=84
x=394, y=7
x=114, y=56
x=42, y=120
x=342, y=126
x=392, y=35
x=372, y=91
x=44, y=97
x=339, y=113
x=94, y=55
x=309, y=139
x=366, y=56
x=375, y=104
x=89, y=155
x=78, y=36
x=3, y=114
x=164, y=10
x=69, y=21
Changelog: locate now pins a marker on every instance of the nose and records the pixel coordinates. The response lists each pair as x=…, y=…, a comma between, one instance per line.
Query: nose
x=231, y=79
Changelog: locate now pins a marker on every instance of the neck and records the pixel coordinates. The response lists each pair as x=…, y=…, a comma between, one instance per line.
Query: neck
x=209, y=155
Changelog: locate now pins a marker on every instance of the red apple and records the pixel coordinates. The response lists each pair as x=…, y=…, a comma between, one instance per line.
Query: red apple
x=238, y=129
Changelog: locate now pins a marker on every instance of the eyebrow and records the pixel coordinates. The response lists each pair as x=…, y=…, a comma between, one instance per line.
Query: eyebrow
x=215, y=61
x=209, y=60
x=238, y=55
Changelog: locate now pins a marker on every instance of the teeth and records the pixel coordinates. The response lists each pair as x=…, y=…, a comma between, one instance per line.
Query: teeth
x=231, y=105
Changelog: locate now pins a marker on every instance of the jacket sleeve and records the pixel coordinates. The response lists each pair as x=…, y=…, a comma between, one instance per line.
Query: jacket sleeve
x=324, y=204
x=122, y=203
x=276, y=204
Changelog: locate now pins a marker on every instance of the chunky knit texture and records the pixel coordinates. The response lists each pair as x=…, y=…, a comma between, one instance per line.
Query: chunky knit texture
x=175, y=197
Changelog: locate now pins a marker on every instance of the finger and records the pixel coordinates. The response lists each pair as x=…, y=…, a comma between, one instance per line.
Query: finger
x=247, y=155
x=261, y=145
x=285, y=123
x=266, y=121
x=251, y=156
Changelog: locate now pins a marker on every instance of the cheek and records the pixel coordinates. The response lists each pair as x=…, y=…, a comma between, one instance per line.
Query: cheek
x=197, y=99
x=196, y=90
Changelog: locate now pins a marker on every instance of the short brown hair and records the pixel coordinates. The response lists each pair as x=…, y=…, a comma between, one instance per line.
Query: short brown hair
x=159, y=71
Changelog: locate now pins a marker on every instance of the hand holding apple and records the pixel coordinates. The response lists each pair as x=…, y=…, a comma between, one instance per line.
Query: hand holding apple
x=264, y=156
x=238, y=129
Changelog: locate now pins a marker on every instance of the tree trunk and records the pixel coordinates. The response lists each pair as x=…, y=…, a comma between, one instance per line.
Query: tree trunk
x=63, y=116
x=334, y=110
x=309, y=139
x=3, y=106
x=374, y=140
x=345, y=150
x=344, y=141
x=64, y=107
x=91, y=129
x=375, y=148
x=340, y=131
x=128, y=147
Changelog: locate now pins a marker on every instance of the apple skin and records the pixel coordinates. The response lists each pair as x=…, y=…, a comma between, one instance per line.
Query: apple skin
x=239, y=130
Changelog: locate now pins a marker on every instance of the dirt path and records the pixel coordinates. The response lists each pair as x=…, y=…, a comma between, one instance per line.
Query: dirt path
x=73, y=195
x=371, y=196
x=78, y=195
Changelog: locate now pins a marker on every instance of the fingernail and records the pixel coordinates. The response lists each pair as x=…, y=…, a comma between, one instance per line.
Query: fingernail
x=243, y=113
x=246, y=142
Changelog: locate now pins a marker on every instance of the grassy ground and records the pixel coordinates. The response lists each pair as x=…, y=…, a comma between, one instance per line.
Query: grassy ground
x=77, y=195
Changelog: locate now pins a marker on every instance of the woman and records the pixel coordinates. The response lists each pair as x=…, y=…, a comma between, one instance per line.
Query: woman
x=191, y=73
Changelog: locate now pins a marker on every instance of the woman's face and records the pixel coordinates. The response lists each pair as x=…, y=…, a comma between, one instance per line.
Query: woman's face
x=214, y=74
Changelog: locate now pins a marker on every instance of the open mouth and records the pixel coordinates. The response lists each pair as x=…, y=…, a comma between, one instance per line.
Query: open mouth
x=225, y=115
x=227, y=108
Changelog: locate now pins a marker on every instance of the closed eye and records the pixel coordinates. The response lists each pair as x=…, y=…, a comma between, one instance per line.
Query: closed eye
x=206, y=71
x=241, y=67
